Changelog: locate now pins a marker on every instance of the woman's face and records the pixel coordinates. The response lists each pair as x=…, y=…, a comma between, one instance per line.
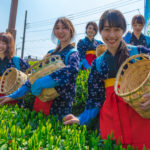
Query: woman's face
x=112, y=36
x=62, y=33
x=2, y=47
x=137, y=28
x=90, y=31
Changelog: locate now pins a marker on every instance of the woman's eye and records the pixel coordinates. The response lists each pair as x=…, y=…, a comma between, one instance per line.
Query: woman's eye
x=117, y=29
x=106, y=29
x=64, y=27
x=57, y=28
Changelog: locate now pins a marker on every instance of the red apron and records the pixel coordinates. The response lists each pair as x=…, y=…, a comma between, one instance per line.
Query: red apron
x=42, y=106
x=118, y=117
x=90, y=56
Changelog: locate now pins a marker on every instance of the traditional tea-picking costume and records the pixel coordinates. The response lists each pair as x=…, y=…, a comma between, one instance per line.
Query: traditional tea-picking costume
x=87, y=51
x=115, y=115
x=62, y=80
x=144, y=40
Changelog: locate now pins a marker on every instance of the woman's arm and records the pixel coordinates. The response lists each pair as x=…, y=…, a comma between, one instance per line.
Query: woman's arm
x=23, y=65
x=22, y=91
x=143, y=49
x=96, y=97
x=64, y=76
x=58, y=78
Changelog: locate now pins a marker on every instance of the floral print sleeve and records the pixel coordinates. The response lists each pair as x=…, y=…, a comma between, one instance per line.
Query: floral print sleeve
x=82, y=49
x=66, y=78
x=64, y=75
x=96, y=89
x=23, y=65
x=144, y=50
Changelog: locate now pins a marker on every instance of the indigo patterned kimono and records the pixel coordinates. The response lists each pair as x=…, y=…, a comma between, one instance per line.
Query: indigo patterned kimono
x=87, y=51
x=15, y=62
x=143, y=40
x=66, y=79
x=115, y=115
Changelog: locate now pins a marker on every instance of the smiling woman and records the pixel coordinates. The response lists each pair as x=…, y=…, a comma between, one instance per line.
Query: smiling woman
x=62, y=80
x=87, y=46
x=115, y=114
x=137, y=37
x=7, y=58
x=64, y=31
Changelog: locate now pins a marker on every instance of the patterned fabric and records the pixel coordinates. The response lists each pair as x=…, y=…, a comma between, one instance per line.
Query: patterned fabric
x=8, y=63
x=96, y=88
x=85, y=44
x=66, y=79
x=109, y=68
x=140, y=41
x=144, y=50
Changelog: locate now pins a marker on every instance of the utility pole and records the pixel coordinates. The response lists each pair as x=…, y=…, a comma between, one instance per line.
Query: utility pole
x=17, y=48
x=24, y=34
x=12, y=18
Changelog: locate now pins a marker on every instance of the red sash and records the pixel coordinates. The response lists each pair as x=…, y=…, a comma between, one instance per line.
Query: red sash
x=42, y=106
x=90, y=56
x=118, y=117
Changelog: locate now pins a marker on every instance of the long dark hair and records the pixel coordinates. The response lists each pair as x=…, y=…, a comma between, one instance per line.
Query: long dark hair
x=10, y=44
x=115, y=19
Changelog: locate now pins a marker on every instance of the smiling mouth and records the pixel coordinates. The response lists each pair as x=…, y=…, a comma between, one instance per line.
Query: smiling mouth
x=138, y=30
x=1, y=50
x=112, y=41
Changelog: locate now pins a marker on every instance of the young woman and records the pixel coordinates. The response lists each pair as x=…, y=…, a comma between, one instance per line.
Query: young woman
x=7, y=58
x=115, y=115
x=137, y=37
x=87, y=46
x=62, y=80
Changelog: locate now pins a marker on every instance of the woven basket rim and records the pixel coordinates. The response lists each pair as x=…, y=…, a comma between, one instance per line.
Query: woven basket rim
x=14, y=69
x=119, y=72
x=39, y=62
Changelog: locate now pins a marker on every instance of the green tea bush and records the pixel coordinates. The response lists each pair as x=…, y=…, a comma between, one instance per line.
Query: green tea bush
x=25, y=130
x=81, y=92
x=22, y=129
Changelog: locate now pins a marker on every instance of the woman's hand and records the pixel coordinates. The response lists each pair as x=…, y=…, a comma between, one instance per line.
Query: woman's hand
x=146, y=105
x=70, y=119
x=4, y=99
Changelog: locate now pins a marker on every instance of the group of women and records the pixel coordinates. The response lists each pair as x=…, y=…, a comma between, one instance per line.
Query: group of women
x=115, y=115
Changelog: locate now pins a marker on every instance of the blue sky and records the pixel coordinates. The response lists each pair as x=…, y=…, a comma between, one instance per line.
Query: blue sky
x=43, y=13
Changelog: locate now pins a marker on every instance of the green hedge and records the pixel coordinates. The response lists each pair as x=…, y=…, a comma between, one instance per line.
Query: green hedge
x=26, y=130
x=81, y=92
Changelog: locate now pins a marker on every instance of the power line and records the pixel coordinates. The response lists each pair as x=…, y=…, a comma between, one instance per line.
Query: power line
x=45, y=30
x=88, y=12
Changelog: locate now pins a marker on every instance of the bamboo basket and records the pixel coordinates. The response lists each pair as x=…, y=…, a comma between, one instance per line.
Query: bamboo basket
x=49, y=65
x=133, y=81
x=11, y=80
x=100, y=49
